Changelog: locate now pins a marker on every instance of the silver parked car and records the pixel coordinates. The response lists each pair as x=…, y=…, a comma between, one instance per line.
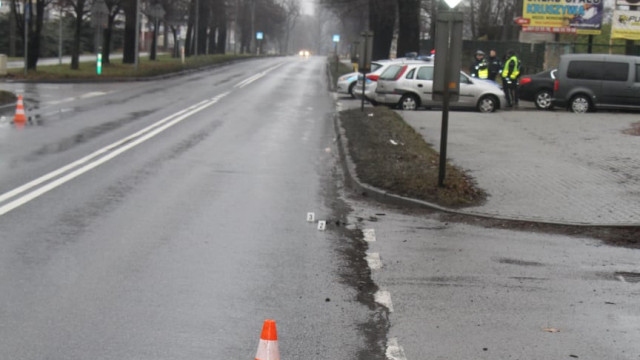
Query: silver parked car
x=409, y=86
x=377, y=67
x=346, y=83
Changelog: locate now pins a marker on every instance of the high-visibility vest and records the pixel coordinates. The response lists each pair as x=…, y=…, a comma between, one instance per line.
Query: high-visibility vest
x=515, y=72
x=483, y=73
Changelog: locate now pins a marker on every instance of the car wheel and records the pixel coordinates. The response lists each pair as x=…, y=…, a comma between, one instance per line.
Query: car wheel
x=409, y=102
x=351, y=87
x=580, y=104
x=487, y=104
x=543, y=100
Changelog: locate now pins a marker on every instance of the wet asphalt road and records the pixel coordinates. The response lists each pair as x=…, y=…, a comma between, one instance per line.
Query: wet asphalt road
x=179, y=245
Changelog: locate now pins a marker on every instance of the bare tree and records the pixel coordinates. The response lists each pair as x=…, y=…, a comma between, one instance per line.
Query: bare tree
x=79, y=11
x=292, y=9
x=408, y=26
x=115, y=8
x=35, y=13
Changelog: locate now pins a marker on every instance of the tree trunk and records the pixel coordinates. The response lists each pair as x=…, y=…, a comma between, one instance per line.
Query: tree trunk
x=77, y=32
x=106, y=44
x=382, y=20
x=203, y=23
x=154, y=41
x=129, y=51
x=409, y=26
x=220, y=14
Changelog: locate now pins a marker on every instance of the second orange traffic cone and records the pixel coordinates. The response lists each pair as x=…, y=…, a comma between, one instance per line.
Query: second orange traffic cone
x=20, y=117
x=268, y=346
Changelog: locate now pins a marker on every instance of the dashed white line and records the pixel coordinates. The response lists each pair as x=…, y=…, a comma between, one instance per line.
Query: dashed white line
x=383, y=298
x=369, y=235
x=394, y=350
x=373, y=259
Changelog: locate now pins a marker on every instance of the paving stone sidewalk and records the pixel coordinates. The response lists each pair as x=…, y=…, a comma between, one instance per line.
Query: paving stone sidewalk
x=545, y=166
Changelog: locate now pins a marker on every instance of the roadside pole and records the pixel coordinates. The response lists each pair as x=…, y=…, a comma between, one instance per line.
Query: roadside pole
x=26, y=8
x=446, y=79
x=364, y=59
x=336, y=40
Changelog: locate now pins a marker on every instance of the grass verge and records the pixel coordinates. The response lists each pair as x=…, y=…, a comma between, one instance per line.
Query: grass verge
x=390, y=155
x=165, y=64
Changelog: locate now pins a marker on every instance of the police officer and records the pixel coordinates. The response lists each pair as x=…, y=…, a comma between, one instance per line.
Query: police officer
x=480, y=67
x=510, y=73
x=495, y=65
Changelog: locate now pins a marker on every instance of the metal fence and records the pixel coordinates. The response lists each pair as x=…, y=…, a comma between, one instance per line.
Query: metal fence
x=534, y=57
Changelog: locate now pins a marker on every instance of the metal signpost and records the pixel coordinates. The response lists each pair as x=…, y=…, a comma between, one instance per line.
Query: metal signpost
x=99, y=13
x=446, y=79
x=364, y=60
x=336, y=40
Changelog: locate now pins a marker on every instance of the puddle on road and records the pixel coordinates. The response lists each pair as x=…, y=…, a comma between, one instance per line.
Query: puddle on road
x=629, y=277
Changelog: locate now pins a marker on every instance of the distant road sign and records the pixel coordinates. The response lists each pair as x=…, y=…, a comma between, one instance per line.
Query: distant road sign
x=259, y=35
x=336, y=38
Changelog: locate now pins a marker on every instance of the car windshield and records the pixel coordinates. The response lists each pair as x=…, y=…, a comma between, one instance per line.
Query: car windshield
x=391, y=73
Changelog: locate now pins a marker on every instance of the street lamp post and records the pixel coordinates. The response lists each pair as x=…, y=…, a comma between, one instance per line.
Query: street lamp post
x=99, y=12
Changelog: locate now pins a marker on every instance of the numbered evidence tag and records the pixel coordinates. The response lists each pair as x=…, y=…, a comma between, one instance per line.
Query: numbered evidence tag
x=311, y=217
x=322, y=225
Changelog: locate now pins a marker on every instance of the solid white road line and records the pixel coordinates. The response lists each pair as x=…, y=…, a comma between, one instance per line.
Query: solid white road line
x=111, y=152
x=255, y=77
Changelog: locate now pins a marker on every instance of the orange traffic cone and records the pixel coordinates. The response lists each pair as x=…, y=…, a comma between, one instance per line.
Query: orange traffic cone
x=268, y=346
x=20, y=117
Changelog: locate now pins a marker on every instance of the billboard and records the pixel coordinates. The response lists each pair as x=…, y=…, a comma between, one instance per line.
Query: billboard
x=563, y=16
x=625, y=24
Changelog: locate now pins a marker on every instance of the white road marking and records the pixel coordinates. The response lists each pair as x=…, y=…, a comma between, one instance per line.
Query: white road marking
x=255, y=77
x=394, y=350
x=369, y=235
x=373, y=259
x=70, y=99
x=383, y=298
x=94, y=160
x=92, y=94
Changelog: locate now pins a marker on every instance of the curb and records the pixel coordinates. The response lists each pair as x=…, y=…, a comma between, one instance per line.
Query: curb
x=352, y=180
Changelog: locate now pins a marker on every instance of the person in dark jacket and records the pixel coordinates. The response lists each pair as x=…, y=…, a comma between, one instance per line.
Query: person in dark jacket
x=495, y=65
x=480, y=68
